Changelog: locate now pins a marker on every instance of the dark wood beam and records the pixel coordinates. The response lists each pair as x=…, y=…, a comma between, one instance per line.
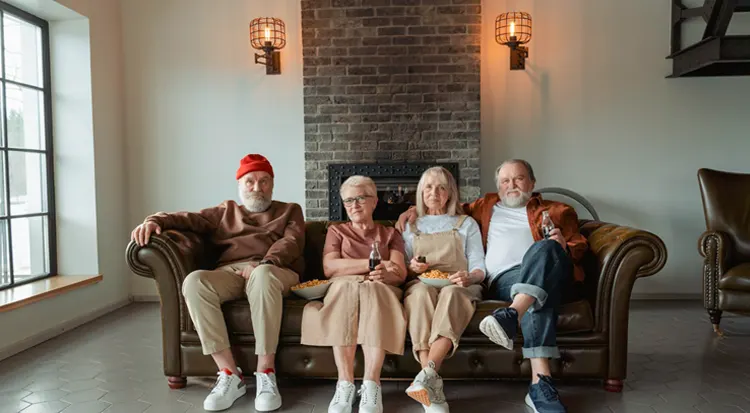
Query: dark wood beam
x=720, y=14
x=716, y=56
x=743, y=6
x=677, y=18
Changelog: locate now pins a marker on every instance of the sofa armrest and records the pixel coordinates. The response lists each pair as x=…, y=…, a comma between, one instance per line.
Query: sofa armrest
x=714, y=247
x=622, y=255
x=168, y=258
x=181, y=252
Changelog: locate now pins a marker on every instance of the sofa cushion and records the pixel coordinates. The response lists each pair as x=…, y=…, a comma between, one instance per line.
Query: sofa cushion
x=575, y=317
x=737, y=278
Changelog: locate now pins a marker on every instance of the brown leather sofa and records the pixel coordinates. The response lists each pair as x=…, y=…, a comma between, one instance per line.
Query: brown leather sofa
x=725, y=245
x=593, y=323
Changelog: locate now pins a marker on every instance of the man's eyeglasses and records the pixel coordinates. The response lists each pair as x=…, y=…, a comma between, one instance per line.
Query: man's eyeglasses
x=359, y=199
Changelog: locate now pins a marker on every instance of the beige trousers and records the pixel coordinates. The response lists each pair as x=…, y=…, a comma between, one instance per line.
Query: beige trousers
x=356, y=312
x=435, y=313
x=205, y=291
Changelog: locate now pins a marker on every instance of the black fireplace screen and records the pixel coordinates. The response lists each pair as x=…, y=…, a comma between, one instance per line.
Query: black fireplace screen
x=396, y=184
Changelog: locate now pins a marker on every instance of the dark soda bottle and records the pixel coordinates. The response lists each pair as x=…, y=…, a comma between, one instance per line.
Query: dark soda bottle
x=374, y=256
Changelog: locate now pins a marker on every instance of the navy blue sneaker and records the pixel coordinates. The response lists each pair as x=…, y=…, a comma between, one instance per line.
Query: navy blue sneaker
x=543, y=398
x=501, y=327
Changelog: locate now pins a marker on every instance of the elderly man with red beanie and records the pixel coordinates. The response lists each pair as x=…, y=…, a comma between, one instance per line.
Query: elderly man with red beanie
x=262, y=242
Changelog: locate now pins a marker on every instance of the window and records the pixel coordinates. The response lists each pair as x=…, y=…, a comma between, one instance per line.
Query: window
x=27, y=213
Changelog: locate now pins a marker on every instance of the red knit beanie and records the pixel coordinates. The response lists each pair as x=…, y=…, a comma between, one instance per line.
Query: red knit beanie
x=254, y=162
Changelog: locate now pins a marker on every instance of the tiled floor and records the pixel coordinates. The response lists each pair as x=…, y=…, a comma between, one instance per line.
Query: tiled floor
x=676, y=365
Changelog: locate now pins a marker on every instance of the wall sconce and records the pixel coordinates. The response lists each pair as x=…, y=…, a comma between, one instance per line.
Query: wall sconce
x=514, y=29
x=268, y=34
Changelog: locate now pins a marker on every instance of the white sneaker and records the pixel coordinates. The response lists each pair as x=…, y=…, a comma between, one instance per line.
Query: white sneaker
x=371, y=398
x=343, y=398
x=267, y=397
x=228, y=388
x=427, y=388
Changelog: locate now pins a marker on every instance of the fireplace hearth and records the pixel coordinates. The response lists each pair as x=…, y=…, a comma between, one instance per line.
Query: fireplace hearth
x=396, y=184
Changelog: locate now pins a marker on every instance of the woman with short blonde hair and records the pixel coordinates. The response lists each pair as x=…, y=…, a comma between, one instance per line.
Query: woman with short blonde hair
x=362, y=305
x=445, y=240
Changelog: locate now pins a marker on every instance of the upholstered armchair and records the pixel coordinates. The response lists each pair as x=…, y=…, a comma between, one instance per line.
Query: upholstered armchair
x=725, y=245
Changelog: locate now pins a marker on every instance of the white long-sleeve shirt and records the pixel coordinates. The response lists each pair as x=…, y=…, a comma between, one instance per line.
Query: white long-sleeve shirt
x=469, y=231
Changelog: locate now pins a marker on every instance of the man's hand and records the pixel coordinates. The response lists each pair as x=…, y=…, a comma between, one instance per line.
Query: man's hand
x=245, y=272
x=556, y=235
x=417, y=267
x=142, y=233
x=461, y=279
x=409, y=215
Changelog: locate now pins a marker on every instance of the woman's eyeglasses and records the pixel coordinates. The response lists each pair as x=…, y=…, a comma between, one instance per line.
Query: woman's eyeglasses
x=359, y=199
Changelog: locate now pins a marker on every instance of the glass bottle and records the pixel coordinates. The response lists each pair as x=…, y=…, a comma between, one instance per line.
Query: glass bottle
x=374, y=256
x=547, y=225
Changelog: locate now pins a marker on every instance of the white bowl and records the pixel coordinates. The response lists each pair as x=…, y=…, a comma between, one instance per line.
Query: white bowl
x=313, y=293
x=436, y=282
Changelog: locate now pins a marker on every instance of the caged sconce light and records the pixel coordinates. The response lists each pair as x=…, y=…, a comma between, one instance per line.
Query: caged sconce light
x=513, y=30
x=268, y=34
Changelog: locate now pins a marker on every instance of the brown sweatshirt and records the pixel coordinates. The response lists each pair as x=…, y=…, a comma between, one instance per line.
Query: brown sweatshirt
x=277, y=234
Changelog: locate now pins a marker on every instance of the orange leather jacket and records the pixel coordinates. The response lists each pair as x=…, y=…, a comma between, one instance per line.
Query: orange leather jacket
x=563, y=216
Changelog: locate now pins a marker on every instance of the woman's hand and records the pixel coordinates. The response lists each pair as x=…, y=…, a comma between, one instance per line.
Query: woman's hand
x=461, y=279
x=385, y=273
x=417, y=267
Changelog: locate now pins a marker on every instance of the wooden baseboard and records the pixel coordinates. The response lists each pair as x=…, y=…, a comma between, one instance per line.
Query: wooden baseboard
x=55, y=331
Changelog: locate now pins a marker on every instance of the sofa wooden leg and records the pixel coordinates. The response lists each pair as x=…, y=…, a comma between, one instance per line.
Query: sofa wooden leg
x=176, y=382
x=715, y=316
x=614, y=386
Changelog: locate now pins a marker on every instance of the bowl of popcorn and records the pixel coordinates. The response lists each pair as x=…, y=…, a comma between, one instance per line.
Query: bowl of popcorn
x=435, y=278
x=312, y=290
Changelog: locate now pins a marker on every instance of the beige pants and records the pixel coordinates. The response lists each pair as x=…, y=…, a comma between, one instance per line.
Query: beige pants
x=367, y=313
x=435, y=313
x=204, y=292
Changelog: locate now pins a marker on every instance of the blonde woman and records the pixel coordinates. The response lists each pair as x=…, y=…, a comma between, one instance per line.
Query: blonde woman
x=362, y=306
x=443, y=240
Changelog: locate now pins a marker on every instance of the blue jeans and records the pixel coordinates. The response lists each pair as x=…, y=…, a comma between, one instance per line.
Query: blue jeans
x=544, y=271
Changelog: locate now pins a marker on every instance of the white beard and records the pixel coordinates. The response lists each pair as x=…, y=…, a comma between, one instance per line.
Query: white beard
x=516, y=201
x=254, y=202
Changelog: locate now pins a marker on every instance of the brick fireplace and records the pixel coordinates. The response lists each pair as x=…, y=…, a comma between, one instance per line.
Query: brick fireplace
x=390, y=82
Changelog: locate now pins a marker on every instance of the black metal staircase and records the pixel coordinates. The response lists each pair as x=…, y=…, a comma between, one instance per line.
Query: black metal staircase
x=716, y=54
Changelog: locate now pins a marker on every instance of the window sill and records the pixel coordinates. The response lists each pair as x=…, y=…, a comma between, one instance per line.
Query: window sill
x=17, y=297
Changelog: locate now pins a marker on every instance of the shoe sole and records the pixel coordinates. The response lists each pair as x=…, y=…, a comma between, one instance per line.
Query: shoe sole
x=420, y=395
x=492, y=329
x=242, y=393
x=267, y=409
x=530, y=403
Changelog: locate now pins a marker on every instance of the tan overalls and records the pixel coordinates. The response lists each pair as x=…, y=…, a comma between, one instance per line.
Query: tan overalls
x=431, y=312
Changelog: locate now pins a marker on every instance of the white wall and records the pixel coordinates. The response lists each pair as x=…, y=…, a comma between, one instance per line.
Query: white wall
x=594, y=113
x=90, y=182
x=196, y=103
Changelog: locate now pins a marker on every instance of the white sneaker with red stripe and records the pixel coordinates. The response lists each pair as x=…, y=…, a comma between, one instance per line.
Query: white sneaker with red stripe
x=228, y=388
x=267, y=397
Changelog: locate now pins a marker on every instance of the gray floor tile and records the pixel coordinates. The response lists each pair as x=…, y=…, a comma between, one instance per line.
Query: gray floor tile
x=45, y=396
x=96, y=406
x=49, y=407
x=129, y=407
